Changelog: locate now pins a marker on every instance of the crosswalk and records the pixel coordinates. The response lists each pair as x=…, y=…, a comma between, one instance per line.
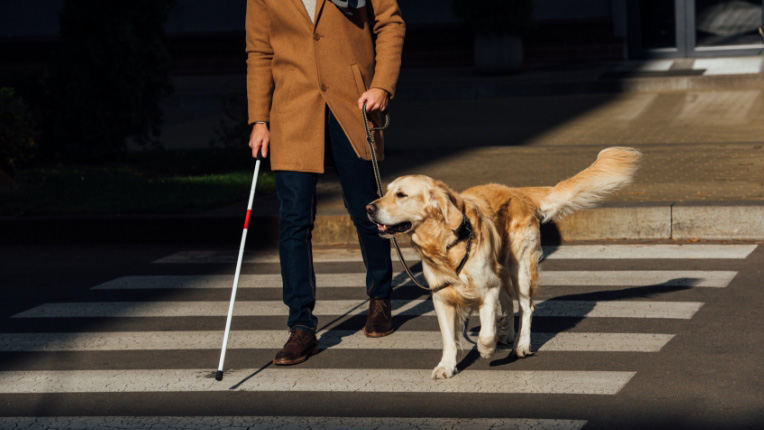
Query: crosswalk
x=165, y=311
x=419, y=307
x=692, y=278
x=337, y=339
x=566, y=252
x=286, y=423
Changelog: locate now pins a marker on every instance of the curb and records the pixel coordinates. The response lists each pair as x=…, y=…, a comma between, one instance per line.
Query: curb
x=670, y=221
x=133, y=229
x=745, y=222
x=741, y=221
x=487, y=89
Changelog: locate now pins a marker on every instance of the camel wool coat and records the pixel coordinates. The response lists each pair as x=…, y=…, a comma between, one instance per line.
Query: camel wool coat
x=296, y=68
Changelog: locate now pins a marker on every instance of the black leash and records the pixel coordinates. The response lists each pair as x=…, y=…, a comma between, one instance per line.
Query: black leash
x=465, y=228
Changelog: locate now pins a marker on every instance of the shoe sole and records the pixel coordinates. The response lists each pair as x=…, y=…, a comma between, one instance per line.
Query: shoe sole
x=297, y=360
x=377, y=334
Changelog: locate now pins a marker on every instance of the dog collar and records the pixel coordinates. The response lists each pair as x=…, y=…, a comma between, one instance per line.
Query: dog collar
x=463, y=232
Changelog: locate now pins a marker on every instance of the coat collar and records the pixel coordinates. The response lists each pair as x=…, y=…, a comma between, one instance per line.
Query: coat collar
x=319, y=8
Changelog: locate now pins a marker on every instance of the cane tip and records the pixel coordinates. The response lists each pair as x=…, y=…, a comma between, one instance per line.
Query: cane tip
x=219, y=375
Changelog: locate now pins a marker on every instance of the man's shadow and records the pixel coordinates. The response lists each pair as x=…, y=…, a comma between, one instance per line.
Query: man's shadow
x=332, y=333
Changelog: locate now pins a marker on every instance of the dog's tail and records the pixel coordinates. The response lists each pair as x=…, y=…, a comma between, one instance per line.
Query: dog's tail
x=613, y=169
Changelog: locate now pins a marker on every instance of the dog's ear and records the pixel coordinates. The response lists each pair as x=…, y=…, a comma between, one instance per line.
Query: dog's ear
x=440, y=200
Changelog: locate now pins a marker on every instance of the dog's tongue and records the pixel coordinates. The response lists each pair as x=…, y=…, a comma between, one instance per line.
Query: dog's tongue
x=381, y=227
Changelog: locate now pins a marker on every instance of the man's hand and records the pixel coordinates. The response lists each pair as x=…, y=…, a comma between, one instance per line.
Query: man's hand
x=260, y=139
x=375, y=98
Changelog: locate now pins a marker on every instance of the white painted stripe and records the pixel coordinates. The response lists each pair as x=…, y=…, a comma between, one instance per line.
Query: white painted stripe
x=686, y=278
x=611, y=309
x=729, y=66
x=600, y=342
x=658, y=252
x=617, y=309
x=319, y=256
x=717, y=107
x=324, y=280
x=700, y=251
x=334, y=339
x=284, y=423
x=312, y=380
x=649, y=65
x=631, y=107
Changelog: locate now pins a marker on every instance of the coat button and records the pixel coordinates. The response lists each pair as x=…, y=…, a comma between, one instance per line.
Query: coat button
x=324, y=88
x=316, y=36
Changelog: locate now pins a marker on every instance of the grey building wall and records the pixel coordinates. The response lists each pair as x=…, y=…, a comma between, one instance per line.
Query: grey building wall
x=202, y=16
x=572, y=9
x=25, y=18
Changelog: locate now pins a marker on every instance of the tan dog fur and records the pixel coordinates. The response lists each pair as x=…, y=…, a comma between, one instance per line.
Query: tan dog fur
x=506, y=249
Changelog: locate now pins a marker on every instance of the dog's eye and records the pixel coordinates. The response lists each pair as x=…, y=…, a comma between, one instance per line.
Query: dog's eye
x=400, y=195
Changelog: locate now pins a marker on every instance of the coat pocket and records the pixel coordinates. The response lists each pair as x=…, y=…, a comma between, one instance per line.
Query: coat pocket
x=282, y=92
x=359, y=82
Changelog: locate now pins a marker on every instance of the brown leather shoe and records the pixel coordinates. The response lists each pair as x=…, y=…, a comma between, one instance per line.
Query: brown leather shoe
x=301, y=345
x=380, y=320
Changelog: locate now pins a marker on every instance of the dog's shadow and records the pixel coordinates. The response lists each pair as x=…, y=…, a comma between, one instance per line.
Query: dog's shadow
x=555, y=325
x=332, y=333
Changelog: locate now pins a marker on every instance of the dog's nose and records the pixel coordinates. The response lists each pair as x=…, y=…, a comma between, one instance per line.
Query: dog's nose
x=371, y=209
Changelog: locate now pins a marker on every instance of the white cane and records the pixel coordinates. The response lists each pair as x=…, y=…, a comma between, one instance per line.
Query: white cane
x=219, y=374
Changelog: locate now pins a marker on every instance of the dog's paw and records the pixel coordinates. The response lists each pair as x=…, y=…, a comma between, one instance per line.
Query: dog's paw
x=522, y=351
x=443, y=371
x=485, y=347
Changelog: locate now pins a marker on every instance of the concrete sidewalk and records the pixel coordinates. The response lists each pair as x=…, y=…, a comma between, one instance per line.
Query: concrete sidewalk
x=701, y=133
x=699, y=124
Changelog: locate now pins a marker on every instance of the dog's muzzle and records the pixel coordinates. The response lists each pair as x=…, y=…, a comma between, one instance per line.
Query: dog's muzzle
x=386, y=230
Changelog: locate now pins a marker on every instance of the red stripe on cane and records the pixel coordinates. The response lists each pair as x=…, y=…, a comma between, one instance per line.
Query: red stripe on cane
x=246, y=221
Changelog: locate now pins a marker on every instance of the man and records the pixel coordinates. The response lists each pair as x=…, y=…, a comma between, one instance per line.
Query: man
x=311, y=66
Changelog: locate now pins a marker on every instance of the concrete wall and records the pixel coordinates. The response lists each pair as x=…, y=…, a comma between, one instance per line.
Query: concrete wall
x=25, y=18
x=202, y=16
x=572, y=10
x=439, y=11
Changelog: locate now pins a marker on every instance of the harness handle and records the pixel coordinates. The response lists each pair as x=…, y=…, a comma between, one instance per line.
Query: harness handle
x=372, y=150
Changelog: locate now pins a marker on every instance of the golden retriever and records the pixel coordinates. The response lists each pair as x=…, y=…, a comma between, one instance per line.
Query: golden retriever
x=480, y=249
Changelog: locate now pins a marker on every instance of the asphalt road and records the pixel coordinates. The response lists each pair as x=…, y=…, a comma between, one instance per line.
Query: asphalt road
x=661, y=335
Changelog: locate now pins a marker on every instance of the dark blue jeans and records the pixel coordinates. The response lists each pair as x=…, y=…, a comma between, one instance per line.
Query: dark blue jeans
x=297, y=195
